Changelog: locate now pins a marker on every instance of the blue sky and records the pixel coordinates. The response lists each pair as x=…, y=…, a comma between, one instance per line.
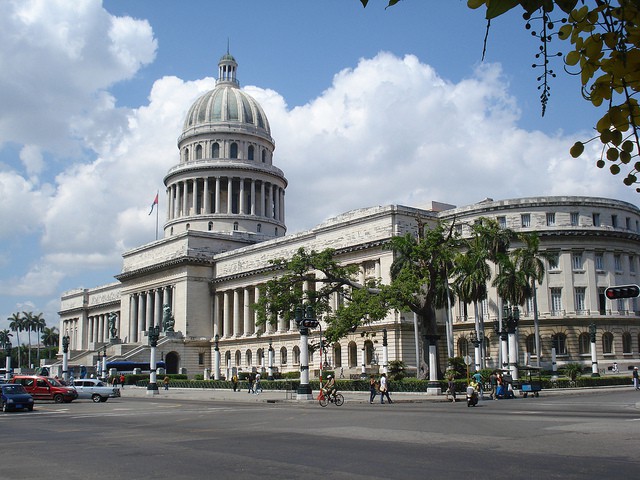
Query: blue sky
x=367, y=106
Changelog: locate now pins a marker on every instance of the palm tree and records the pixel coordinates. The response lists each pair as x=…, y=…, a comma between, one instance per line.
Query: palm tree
x=531, y=263
x=38, y=324
x=50, y=337
x=16, y=323
x=511, y=282
x=29, y=327
x=5, y=337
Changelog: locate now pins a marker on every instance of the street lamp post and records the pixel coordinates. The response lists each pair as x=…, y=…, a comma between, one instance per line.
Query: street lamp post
x=7, y=350
x=65, y=358
x=216, y=357
x=594, y=355
x=271, y=355
x=512, y=327
x=476, y=349
x=154, y=334
x=385, y=352
x=104, y=362
x=304, y=321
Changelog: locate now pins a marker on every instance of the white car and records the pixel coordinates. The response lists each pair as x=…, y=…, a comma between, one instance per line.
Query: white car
x=95, y=389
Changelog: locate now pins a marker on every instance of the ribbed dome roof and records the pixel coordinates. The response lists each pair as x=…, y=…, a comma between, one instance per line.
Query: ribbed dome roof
x=226, y=104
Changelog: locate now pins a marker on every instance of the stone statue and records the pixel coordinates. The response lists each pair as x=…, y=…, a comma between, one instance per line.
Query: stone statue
x=167, y=319
x=111, y=322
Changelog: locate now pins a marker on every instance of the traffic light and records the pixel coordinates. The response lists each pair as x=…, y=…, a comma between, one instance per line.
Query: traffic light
x=309, y=323
x=622, y=291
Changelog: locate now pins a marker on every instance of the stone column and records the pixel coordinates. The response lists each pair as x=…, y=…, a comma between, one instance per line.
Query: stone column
x=241, y=202
x=229, y=195
x=141, y=317
x=256, y=297
x=149, y=312
x=237, y=319
x=195, y=196
x=133, y=318
x=206, y=195
x=433, y=387
x=276, y=201
x=158, y=307
x=226, y=314
x=253, y=197
x=246, y=315
x=263, y=200
x=217, y=196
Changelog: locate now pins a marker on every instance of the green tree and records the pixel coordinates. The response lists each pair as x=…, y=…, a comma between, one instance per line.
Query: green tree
x=602, y=40
x=531, y=261
x=39, y=324
x=5, y=337
x=16, y=323
x=29, y=327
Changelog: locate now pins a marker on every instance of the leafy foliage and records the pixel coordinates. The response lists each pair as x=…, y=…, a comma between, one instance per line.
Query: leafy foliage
x=604, y=51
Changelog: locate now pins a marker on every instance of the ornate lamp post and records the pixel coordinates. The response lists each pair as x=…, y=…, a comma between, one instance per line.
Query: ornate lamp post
x=476, y=349
x=216, y=357
x=271, y=355
x=154, y=334
x=594, y=355
x=7, y=350
x=65, y=358
x=512, y=326
x=304, y=322
x=104, y=362
x=385, y=352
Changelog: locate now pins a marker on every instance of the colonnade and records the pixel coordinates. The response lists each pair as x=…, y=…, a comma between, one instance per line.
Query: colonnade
x=98, y=327
x=225, y=195
x=146, y=310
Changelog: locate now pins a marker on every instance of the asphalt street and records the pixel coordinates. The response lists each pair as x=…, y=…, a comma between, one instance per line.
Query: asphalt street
x=182, y=434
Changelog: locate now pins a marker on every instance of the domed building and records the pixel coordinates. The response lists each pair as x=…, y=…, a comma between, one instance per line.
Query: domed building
x=225, y=221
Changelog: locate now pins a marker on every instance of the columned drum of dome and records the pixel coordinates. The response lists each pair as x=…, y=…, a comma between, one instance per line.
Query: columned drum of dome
x=225, y=181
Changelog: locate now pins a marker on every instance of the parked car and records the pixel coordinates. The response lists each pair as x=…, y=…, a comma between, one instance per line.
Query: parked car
x=15, y=397
x=95, y=389
x=46, y=388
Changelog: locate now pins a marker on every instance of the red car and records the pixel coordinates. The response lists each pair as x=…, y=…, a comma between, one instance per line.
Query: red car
x=46, y=388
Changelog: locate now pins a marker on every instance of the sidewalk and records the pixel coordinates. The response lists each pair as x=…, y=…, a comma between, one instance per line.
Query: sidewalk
x=282, y=396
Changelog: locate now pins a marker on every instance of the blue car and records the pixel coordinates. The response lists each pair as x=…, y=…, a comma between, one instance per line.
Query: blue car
x=15, y=397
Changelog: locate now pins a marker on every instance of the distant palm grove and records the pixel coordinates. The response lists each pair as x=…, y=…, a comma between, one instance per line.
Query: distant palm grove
x=21, y=327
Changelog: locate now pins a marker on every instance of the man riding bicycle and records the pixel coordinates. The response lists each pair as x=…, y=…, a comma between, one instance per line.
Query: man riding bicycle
x=329, y=389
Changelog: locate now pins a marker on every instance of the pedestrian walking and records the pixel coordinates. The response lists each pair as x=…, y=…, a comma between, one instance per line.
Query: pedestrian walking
x=234, y=380
x=373, y=388
x=122, y=380
x=451, y=389
x=250, y=381
x=635, y=378
x=493, y=381
x=384, y=388
x=165, y=382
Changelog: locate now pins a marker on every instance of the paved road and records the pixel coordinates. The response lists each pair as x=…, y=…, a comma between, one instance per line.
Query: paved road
x=214, y=434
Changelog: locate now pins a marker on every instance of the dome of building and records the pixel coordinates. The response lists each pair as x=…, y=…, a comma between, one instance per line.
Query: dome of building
x=226, y=106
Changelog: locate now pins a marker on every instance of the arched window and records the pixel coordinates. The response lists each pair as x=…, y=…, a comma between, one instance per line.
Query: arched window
x=185, y=155
x=264, y=156
x=626, y=342
x=296, y=355
x=559, y=341
x=607, y=343
x=368, y=352
x=249, y=358
x=283, y=356
x=199, y=152
x=227, y=359
x=353, y=355
x=260, y=357
x=463, y=347
x=215, y=150
x=531, y=344
x=234, y=150
x=238, y=358
x=584, y=343
x=251, y=152
x=337, y=355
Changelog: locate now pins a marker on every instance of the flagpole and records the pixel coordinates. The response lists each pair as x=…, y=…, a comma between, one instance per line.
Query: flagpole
x=157, y=215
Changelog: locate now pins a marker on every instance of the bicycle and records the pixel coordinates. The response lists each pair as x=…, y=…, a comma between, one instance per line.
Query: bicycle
x=338, y=399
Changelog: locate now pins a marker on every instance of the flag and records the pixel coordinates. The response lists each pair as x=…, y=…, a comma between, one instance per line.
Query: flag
x=155, y=202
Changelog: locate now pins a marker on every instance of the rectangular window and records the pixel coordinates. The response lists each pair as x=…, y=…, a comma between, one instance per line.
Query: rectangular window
x=502, y=222
x=554, y=261
x=579, y=299
x=599, y=261
x=576, y=261
x=627, y=223
x=200, y=358
x=551, y=219
x=525, y=219
x=575, y=218
x=614, y=221
x=596, y=219
x=617, y=263
x=632, y=264
x=556, y=300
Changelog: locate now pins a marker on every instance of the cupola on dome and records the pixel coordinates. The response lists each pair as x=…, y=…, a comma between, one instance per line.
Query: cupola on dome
x=226, y=107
